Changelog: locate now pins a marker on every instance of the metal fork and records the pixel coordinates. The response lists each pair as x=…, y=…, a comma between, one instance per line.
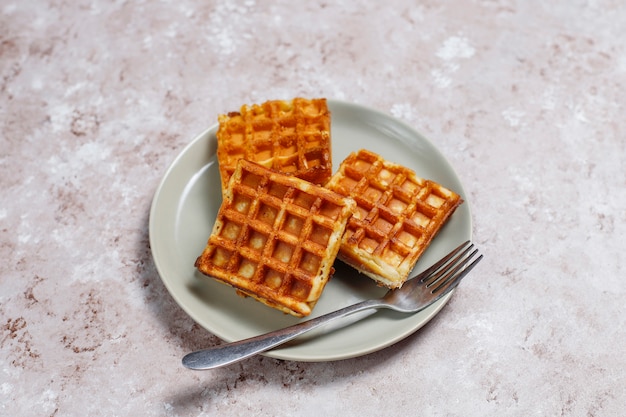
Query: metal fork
x=415, y=295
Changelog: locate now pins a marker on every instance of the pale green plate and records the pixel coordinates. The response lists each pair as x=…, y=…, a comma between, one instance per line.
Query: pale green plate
x=185, y=206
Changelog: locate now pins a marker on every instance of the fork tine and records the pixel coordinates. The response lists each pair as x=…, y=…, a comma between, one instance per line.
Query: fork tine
x=449, y=268
x=454, y=277
x=426, y=274
x=449, y=261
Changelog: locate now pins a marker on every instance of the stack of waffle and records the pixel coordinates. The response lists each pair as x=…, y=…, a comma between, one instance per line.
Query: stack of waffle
x=284, y=220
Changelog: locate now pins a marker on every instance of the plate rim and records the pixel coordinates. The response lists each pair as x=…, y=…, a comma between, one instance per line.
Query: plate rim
x=284, y=352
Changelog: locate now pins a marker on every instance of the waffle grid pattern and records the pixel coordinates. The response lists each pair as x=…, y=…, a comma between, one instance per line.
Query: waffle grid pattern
x=397, y=216
x=292, y=137
x=276, y=238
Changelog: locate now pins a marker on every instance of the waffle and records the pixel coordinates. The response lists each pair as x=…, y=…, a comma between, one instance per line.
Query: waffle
x=292, y=137
x=276, y=238
x=398, y=214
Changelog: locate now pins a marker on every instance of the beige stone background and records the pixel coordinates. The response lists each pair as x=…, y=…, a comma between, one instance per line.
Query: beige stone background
x=524, y=98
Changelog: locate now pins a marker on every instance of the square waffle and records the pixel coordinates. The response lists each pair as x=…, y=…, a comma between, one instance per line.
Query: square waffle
x=276, y=238
x=397, y=216
x=292, y=137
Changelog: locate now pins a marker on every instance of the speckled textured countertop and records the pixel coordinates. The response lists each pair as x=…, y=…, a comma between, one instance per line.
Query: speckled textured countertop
x=525, y=99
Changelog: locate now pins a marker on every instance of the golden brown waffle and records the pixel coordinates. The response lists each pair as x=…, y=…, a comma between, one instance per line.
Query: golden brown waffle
x=398, y=214
x=292, y=137
x=276, y=238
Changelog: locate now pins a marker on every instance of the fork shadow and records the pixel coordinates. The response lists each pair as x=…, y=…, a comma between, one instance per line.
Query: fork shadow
x=202, y=389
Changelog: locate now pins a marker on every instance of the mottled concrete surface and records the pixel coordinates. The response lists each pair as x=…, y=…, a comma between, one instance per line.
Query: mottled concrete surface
x=526, y=100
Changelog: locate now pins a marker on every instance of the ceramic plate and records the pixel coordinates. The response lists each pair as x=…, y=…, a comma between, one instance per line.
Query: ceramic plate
x=185, y=206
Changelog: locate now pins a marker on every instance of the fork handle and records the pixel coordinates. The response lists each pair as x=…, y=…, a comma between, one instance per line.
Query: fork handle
x=229, y=353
